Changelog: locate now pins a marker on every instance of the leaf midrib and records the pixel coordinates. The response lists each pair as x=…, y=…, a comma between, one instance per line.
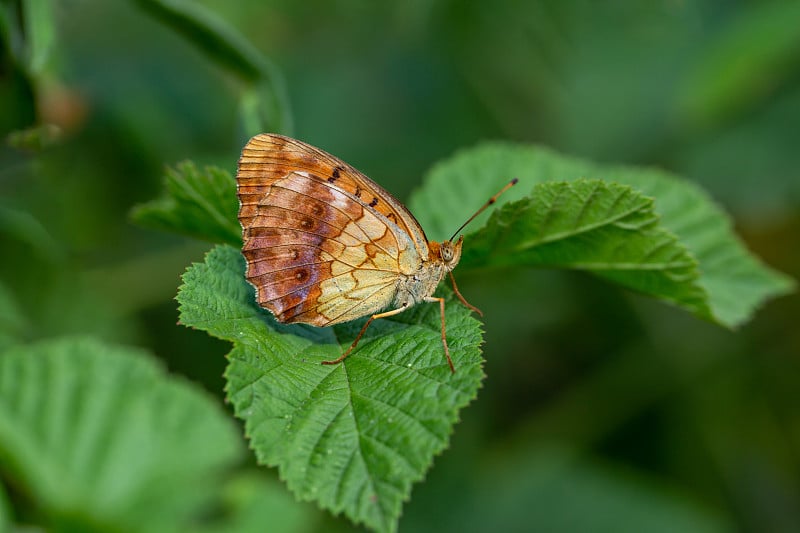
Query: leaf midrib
x=360, y=449
x=585, y=229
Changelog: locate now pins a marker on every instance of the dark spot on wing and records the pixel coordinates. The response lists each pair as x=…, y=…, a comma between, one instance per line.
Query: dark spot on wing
x=358, y=192
x=301, y=274
x=307, y=223
x=392, y=217
x=374, y=202
x=335, y=174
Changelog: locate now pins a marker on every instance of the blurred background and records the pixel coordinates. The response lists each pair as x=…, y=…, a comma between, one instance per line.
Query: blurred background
x=601, y=409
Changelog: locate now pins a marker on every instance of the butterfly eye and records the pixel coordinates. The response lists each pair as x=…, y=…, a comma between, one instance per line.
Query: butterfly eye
x=447, y=252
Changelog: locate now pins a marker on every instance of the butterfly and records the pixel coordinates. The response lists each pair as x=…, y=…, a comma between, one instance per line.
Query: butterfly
x=324, y=244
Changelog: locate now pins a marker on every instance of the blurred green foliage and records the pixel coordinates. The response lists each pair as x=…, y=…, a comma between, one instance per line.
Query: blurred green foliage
x=593, y=394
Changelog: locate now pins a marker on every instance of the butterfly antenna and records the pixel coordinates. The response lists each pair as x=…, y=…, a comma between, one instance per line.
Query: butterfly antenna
x=491, y=200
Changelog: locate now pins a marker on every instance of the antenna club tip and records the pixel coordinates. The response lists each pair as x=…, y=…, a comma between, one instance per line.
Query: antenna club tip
x=514, y=181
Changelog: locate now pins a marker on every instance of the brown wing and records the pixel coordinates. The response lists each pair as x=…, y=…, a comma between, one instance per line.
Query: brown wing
x=268, y=157
x=316, y=255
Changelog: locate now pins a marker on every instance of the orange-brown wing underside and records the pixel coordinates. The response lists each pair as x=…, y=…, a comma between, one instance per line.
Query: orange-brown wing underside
x=315, y=254
x=268, y=157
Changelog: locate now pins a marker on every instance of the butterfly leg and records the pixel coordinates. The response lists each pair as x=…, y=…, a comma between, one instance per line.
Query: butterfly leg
x=361, y=333
x=463, y=301
x=444, y=335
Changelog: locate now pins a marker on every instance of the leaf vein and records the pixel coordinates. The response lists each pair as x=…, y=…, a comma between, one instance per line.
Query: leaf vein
x=404, y=414
x=575, y=231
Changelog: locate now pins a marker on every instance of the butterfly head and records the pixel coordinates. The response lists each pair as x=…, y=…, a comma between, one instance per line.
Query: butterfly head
x=448, y=252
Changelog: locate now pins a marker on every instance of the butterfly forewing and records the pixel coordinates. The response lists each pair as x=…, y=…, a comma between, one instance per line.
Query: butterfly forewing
x=316, y=252
x=269, y=157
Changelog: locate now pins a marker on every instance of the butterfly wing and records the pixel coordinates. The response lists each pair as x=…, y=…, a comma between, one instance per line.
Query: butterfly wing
x=315, y=252
x=268, y=157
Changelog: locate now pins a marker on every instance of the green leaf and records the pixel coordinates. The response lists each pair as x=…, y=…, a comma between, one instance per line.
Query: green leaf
x=604, y=228
x=353, y=437
x=229, y=49
x=735, y=281
x=251, y=501
x=23, y=227
x=217, y=40
x=756, y=53
x=100, y=438
x=260, y=110
x=197, y=203
x=40, y=33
